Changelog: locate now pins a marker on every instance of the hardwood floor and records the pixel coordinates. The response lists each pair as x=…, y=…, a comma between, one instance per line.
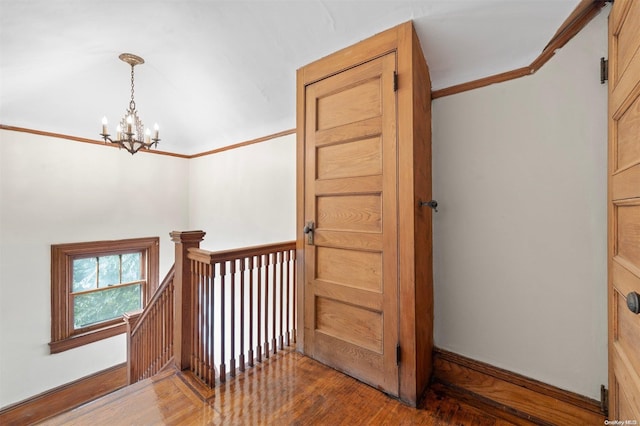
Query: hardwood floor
x=286, y=389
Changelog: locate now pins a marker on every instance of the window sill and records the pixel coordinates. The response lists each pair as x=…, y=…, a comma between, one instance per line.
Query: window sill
x=89, y=337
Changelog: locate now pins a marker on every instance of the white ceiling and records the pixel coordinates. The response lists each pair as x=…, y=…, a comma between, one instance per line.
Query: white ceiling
x=222, y=72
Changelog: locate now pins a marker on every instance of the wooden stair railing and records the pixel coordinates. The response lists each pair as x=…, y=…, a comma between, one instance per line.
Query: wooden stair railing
x=237, y=306
x=150, y=333
x=242, y=307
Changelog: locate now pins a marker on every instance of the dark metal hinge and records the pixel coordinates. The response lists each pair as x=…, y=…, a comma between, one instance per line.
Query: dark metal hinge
x=604, y=400
x=395, y=81
x=398, y=354
x=604, y=70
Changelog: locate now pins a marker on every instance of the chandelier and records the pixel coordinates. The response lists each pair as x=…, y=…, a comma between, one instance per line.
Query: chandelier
x=130, y=133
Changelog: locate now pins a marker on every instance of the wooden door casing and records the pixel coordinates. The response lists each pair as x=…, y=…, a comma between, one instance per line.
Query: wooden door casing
x=624, y=209
x=351, y=285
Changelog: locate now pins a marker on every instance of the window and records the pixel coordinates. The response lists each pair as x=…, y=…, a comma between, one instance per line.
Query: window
x=93, y=284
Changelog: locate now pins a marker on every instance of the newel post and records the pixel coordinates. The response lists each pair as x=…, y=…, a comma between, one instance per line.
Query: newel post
x=130, y=319
x=183, y=316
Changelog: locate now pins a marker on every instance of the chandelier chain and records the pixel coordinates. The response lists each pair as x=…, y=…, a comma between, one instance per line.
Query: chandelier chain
x=132, y=104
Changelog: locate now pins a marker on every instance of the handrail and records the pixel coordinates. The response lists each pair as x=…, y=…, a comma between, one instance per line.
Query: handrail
x=203, y=255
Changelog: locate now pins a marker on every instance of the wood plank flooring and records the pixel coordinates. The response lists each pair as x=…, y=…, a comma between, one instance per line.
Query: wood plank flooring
x=287, y=389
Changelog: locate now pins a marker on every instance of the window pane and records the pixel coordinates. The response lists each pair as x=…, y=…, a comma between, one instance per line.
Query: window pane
x=84, y=274
x=109, y=273
x=131, y=270
x=104, y=305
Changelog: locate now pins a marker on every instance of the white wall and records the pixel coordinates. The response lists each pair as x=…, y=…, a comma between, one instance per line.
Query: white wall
x=519, y=172
x=245, y=196
x=58, y=191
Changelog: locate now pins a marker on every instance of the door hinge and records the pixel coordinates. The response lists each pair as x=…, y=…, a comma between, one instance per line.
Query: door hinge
x=395, y=81
x=398, y=354
x=604, y=400
x=604, y=70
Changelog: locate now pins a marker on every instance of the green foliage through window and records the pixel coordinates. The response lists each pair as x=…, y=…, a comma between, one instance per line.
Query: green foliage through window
x=105, y=287
x=98, y=306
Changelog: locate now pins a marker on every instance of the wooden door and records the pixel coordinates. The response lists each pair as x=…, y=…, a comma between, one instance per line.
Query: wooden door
x=351, y=264
x=624, y=210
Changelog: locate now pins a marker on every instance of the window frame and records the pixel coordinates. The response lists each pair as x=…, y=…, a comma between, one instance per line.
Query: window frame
x=64, y=336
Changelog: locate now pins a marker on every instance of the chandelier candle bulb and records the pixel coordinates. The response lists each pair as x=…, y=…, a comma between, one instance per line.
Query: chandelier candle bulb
x=147, y=136
x=104, y=126
x=119, y=132
x=156, y=131
x=129, y=124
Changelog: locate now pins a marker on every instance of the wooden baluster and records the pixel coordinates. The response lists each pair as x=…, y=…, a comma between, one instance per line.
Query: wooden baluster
x=169, y=324
x=203, y=327
x=258, y=306
x=281, y=264
x=145, y=350
x=273, y=260
x=195, y=320
x=136, y=362
x=205, y=331
x=204, y=322
x=287, y=297
x=159, y=335
x=195, y=365
x=150, y=347
x=200, y=337
x=232, y=331
x=266, y=305
x=163, y=331
x=223, y=366
x=241, y=362
x=294, y=300
x=140, y=355
x=207, y=334
x=154, y=338
x=251, y=328
x=159, y=332
x=165, y=321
